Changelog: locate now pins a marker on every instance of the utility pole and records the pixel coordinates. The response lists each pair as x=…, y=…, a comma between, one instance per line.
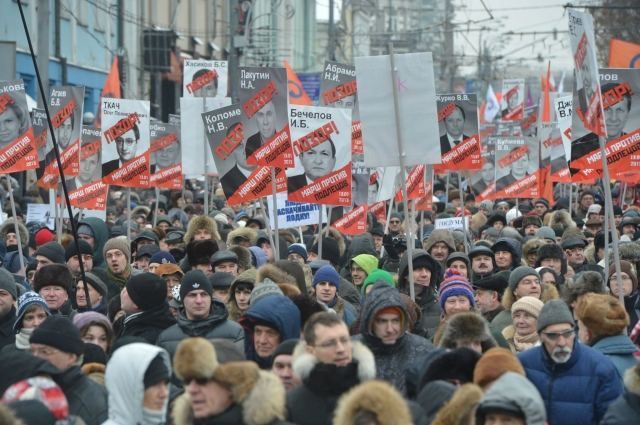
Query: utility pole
x=233, y=53
x=332, y=32
x=43, y=46
x=449, y=61
x=121, y=55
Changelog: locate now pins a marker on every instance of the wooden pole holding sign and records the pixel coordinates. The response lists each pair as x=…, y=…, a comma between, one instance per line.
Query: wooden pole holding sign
x=276, y=247
x=155, y=213
x=386, y=225
x=15, y=220
x=464, y=222
x=320, y=232
x=403, y=177
x=129, y=214
x=206, y=175
x=267, y=223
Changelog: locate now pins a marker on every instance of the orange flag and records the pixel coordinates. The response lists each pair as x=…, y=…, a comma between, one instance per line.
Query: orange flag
x=546, y=101
x=297, y=95
x=111, y=88
x=623, y=54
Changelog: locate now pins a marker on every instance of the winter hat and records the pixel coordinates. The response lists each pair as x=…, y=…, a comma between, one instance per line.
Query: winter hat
x=58, y=332
x=377, y=275
x=8, y=283
x=531, y=305
x=71, y=251
x=366, y=262
x=602, y=314
x=451, y=365
x=162, y=257
x=53, y=275
x=147, y=250
x=546, y=232
x=265, y=289
x=52, y=251
x=80, y=320
x=455, y=284
x=85, y=229
x=327, y=274
x=96, y=283
x=583, y=283
x=330, y=250
x=223, y=256
x=193, y=280
x=554, y=312
x=221, y=280
x=41, y=389
x=520, y=273
x=168, y=269
x=625, y=267
x=493, y=364
x=119, y=243
x=43, y=236
x=25, y=301
x=286, y=347
x=146, y=290
x=300, y=249
x=157, y=372
x=494, y=282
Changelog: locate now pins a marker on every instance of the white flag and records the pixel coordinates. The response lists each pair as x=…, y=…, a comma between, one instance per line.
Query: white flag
x=493, y=106
x=561, y=84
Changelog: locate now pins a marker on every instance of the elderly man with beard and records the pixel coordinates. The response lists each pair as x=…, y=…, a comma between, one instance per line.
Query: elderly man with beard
x=577, y=382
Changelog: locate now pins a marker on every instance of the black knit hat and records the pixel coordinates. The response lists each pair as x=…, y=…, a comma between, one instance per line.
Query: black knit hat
x=330, y=250
x=157, y=372
x=53, y=251
x=53, y=275
x=96, y=283
x=147, y=290
x=71, y=251
x=495, y=282
x=58, y=332
x=286, y=347
x=200, y=252
x=193, y=280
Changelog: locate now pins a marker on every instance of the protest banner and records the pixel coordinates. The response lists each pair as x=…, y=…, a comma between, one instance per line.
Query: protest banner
x=360, y=179
x=40, y=135
x=125, y=142
x=483, y=183
x=241, y=181
x=166, y=161
x=354, y=222
x=87, y=190
x=517, y=168
x=512, y=104
x=415, y=182
x=197, y=158
x=110, y=89
x=17, y=144
x=452, y=223
x=174, y=119
x=379, y=210
x=425, y=203
x=41, y=213
x=338, y=87
x=418, y=116
x=620, y=95
x=460, y=138
x=204, y=78
x=297, y=93
x=294, y=214
x=66, y=105
x=322, y=147
x=263, y=96
x=623, y=54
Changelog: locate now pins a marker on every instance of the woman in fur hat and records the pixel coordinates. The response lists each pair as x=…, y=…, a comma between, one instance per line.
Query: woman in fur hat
x=230, y=393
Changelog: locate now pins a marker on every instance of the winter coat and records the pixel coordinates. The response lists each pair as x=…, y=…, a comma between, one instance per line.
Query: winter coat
x=626, y=409
x=86, y=399
x=125, y=382
x=7, y=334
x=576, y=392
x=101, y=236
x=315, y=400
x=214, y=326
x=619, y=349
x=147, y=324
x=344, y=309
x=514, y=391
x=276, y=310
x=428, y=300
x=393, y=360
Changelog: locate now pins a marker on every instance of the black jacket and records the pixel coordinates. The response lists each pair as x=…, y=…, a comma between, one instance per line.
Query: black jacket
x=86, y=398
x=148, y=324
x=7, y=335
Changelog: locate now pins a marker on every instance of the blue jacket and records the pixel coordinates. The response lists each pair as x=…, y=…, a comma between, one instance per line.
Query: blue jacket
x=276, y=311
x=619, y=349
x=576, y=392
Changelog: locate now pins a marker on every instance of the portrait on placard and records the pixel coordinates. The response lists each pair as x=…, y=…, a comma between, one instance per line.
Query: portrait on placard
x=40, y=135
x=338, y=87
x=86, y=190
x=125, y=142
x=166, y=164
x=459, y=136
x=512, y=105
x=517, y=167
x=483, y=181
x=204, y=78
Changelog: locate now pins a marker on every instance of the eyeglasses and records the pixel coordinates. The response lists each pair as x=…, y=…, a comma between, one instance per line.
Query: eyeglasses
x=198, y=381
x=395, y=222
x=553, y=336
x=333, y=343
x=128, y=141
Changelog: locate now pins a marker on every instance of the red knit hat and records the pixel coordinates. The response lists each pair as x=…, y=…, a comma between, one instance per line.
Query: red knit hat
x=455, y=284
x=42, y=389
x=44, y=235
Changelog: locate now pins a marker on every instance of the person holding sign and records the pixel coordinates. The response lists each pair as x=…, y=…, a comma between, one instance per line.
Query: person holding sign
x=454, y=125
x=13, y=122
x=127, y=146
x=265, y=120
x=317, y=162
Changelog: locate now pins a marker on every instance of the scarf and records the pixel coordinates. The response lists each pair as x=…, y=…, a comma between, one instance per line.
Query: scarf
x=525, y=342
x=22, y=338
x=153, y=417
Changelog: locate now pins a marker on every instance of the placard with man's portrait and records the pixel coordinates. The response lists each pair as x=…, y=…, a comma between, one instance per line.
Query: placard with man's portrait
x=166, y=161
x=86, y=190
x=17, y=146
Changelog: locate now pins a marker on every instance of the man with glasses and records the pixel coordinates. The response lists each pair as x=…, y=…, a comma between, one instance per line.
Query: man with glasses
x=126, y=146
x=576, y=382
x=329, y=366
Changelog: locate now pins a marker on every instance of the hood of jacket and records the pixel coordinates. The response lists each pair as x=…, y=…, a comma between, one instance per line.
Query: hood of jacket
x=101, y=235
x=514, y=247
x=124, y=380
x=513, y=391
x=403, y=269
x=362, y=244
x=380, y=297
x=615, y=344
x=22, y=229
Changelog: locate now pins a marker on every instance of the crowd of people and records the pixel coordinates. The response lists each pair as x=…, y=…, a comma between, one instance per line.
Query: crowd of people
x=214, y=319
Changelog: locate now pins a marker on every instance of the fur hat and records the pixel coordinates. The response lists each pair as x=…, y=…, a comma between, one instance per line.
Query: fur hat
x=244, y=256
x=119, y=243
x=529, y=220
x=549, y=251
x=242, y=233
x=201, y=222
x=603, y=315
x=461, y=408
x=195, y=358
x=493, y=364
x=439, y=235
x=330, y=250
x=200, y=252
x=379, y=398
x=450, y=365
x=53, y=275
x=583, y=283
x=467, y=327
